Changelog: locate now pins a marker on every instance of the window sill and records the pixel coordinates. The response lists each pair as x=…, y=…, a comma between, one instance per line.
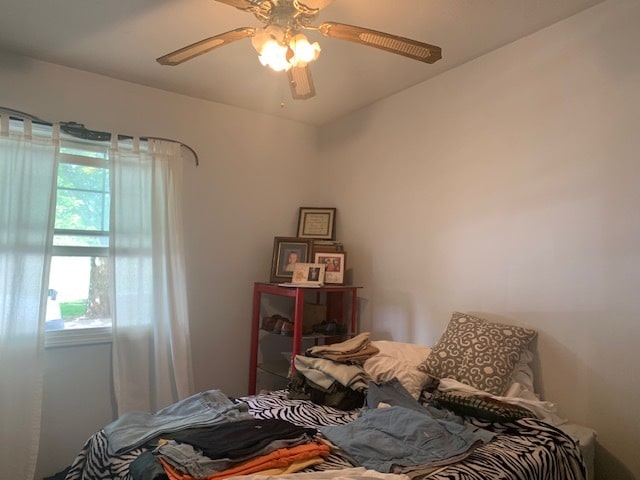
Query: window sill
x=77, y=337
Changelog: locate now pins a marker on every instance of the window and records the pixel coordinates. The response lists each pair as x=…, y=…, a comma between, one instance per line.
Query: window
x=78, y=291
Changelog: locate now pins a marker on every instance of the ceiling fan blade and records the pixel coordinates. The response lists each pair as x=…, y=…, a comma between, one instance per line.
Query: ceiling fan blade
x=248, y=5
x=204, y=46
x=384, y=41
x=301, y=83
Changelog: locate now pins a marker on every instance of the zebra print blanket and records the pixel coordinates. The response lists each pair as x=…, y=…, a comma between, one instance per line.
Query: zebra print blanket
x=524, y=449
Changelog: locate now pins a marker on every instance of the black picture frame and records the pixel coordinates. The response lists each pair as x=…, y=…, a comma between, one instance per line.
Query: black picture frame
x=317, y=223
x=286, y=252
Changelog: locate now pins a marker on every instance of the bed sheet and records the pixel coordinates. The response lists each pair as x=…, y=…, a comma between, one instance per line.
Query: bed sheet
x=526, y=448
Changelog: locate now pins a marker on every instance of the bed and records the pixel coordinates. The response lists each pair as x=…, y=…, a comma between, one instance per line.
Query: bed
x=501, y=431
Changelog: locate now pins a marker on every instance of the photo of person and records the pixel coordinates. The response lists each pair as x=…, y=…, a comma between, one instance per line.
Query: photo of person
x=293, y=257
x=331, y=264
x=314, y=274
x=334, y=266
x=287, y=253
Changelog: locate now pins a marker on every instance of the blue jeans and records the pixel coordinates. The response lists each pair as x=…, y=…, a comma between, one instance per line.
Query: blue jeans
x=203, y=409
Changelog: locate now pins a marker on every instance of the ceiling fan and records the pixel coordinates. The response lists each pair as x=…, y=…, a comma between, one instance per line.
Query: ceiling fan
x=282, y=46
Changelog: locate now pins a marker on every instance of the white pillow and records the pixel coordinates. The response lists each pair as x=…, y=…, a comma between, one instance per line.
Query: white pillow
x=522, y=376
x=401, y=360
x=398, y=360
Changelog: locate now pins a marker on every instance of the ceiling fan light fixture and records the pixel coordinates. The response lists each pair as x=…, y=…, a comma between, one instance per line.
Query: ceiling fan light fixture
x=303, y=51
x=274, y=56
x=280, y=54
x=271, y=52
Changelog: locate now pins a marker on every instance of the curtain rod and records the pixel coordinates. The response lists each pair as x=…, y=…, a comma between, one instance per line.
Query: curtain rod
x=78, y=130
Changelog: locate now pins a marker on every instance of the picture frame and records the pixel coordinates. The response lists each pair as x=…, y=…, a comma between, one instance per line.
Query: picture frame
x=335, y=266
x=317, y=223
x=287, y=251
x=307, y=274
x=323, y=248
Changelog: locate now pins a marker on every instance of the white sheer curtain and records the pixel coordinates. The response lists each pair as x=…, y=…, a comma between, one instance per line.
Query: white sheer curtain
x=27, y=193
x=151, y=351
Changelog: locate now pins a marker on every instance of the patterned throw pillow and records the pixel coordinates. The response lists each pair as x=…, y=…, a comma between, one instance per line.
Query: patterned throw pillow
x=478, y=353
x=484, y=408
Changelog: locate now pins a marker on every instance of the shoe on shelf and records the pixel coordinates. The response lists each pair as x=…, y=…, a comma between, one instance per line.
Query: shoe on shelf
x=287, y=328
x=326, y=328
x=277, y=329
x=268, y=323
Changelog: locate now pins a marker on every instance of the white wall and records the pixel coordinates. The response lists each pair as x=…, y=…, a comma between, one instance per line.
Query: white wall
x=510, y=187
x=246, y=190
x=507, y=186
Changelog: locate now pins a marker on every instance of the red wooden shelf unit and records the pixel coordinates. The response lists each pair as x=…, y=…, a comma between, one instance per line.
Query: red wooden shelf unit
x=335, y=302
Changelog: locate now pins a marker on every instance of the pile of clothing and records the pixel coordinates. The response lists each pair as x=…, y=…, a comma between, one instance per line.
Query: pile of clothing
x=333, y=374
x=209, y=436
x=394, y=433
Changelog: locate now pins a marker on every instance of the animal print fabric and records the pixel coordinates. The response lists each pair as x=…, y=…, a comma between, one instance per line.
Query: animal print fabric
x=526, y=448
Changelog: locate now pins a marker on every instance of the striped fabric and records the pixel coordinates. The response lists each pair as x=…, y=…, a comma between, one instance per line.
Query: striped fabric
x=525, y=448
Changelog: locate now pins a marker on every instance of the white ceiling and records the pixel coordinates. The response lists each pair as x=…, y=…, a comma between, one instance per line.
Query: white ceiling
x=122, y=39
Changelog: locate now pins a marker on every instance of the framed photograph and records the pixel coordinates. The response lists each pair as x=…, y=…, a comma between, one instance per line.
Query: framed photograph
x=306, y=275
x=317, y=223
x=335, y=264
x=287, y=251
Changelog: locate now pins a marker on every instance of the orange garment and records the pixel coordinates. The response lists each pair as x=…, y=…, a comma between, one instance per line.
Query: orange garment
x=292, y=468
x=281, y=458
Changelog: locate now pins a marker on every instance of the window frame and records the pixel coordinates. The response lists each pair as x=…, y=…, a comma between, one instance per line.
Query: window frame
x=86, y=335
